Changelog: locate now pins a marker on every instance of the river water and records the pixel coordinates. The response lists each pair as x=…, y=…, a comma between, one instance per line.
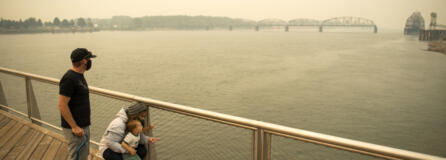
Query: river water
x=380, y=88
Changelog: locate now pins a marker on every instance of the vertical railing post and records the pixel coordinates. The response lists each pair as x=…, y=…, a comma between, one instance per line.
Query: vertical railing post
x=28, y=97
x=151, y=153
x=3, y=98
x=33, y=109
x=253, y=145
x=263, y=145
x=260, y=143
x=266, y=146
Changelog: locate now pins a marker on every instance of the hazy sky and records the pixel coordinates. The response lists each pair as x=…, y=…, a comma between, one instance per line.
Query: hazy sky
x=390, y=14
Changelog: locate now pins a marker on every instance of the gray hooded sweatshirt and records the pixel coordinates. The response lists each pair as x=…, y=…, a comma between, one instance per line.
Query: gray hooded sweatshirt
x=114, y=134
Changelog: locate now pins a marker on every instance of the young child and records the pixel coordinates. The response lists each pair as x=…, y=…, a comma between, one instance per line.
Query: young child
x=131, y=140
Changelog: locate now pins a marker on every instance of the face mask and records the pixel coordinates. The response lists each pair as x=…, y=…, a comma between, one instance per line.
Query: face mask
x=88, y=65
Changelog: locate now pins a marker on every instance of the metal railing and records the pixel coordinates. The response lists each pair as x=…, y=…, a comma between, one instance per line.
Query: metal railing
x=261, y=131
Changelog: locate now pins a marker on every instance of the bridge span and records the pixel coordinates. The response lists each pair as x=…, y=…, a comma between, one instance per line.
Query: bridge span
x=332, y=22
x=348, y=22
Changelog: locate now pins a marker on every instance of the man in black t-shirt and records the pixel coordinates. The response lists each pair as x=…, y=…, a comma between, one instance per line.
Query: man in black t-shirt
x=74, y=103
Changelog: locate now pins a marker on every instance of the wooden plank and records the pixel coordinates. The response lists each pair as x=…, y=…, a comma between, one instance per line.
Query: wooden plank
x=94, y=157
x=52, y=150
x=41, y=148
x=31, y=146
x=32, y=125
x=52, y=134
x=12, y=142
x=97, y=158
x=4, y=121
x=93, y=152
x=27, y=137
x=20, y=146
x=5, y=138
x=62, y=153
x=43, y=130
x=14, y=117
x=1, y=117
x=6, y=128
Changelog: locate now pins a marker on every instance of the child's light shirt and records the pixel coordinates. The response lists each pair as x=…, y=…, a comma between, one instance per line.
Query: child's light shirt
x=132, y=140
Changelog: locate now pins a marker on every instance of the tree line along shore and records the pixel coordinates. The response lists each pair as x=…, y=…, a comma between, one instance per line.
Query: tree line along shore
x=34, y=25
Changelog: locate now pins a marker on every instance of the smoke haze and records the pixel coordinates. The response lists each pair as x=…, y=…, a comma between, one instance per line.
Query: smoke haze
x=386, y=14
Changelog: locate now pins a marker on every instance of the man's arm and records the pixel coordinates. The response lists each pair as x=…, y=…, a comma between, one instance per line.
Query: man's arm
x=66, y=114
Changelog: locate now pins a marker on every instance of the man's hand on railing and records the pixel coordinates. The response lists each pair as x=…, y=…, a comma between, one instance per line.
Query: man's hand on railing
x=146, y=129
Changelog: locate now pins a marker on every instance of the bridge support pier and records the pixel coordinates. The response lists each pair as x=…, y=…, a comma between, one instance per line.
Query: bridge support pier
x=321, y=29
x=287, y=28
x=375, y=29
x=257, y=28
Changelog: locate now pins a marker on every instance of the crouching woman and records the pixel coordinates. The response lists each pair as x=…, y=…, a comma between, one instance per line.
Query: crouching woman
x=110, y=147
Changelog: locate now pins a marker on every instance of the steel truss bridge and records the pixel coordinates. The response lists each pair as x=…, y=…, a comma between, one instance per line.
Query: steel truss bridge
x=332, y=22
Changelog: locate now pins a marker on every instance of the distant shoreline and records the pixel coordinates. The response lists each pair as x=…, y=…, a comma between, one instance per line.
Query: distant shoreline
x=47, y=30
x=145, y=23
x=122, y=23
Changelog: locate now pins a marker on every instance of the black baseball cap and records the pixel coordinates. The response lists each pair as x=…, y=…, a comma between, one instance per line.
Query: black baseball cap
x=81, y=53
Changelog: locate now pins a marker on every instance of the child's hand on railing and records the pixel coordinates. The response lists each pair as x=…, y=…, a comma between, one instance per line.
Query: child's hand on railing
x=153, y=140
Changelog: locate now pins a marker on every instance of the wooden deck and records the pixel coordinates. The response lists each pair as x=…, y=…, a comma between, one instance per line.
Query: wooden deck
x=21, y=139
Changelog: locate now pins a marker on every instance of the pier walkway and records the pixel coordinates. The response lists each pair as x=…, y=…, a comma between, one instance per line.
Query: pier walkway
x=22, y=139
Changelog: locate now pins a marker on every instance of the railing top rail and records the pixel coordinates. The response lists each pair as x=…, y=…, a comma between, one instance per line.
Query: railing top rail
x=30, y=75
x=358, y=145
